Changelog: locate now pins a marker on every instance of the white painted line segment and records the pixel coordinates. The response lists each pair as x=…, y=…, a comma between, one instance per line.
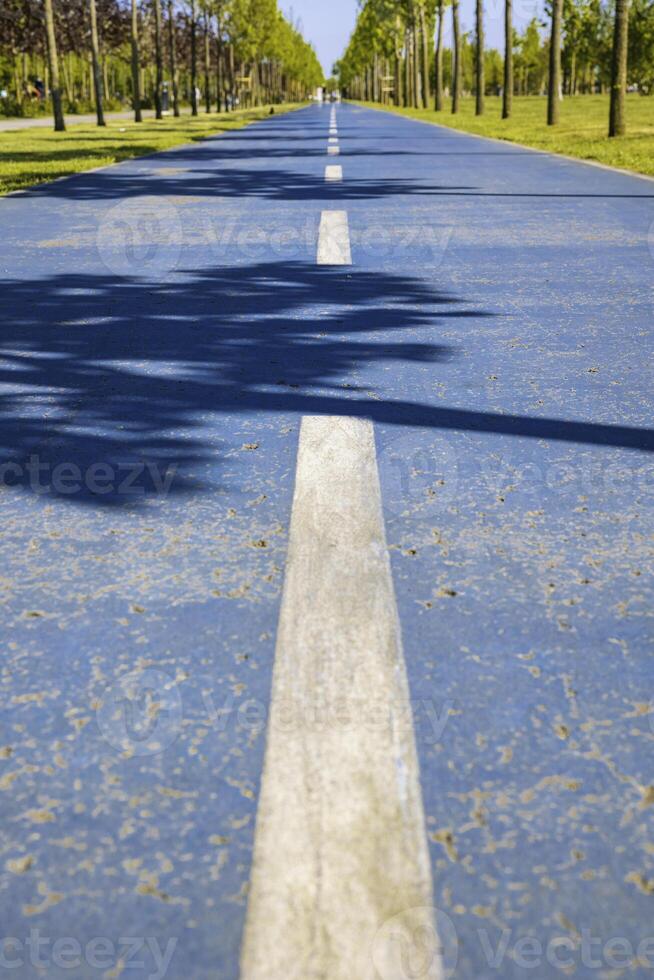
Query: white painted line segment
x=340, y=842
x=333, y=139
x=333, y=239
x=333, y=172
x=333, y=150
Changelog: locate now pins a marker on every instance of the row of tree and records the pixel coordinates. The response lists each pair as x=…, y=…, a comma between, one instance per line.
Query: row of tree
x=397, y=53
x=222, y=52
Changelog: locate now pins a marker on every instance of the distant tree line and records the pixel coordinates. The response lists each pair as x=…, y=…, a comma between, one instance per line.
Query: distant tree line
x=397, y=54
x=106, y=53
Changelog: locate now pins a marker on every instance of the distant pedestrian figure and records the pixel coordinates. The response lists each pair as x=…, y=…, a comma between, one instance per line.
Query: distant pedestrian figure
x=272, y=111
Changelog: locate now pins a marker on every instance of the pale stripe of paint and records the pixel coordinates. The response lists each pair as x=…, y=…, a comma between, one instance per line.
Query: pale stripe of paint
x=333, y=151
x=333, y=239
x=333, y=139
x=340, y=844
x=333, y=172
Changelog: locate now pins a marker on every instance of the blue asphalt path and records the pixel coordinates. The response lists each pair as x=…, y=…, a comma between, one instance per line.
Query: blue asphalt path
x=166, y=318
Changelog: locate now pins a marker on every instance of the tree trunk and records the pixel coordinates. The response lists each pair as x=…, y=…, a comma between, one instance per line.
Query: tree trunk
x=207, y=66
x=95, y=58
x=554, y=86
x=456, y=57
x=18, y=86
x=57, y=111
x=172, y=54
x=136, y=68
x=438, y=103
x=255, y=84
x=219, y=71
x=158, y=60
x=507, y=94
x=617, y=115
x=231, y=74
x=417, y=95
x=194, y=60
x=407, y=69
x=426, y=94
x=66, y=72
x=479, y=59
x=397, y=82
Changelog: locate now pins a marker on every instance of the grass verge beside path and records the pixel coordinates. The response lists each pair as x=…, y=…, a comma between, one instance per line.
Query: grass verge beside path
x=36, y=156
x=581, y=132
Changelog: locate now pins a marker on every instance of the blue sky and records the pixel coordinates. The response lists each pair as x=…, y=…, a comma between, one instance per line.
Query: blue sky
x=328, y=23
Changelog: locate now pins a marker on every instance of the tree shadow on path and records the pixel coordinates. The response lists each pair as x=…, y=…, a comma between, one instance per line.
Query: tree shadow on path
x=99, y=368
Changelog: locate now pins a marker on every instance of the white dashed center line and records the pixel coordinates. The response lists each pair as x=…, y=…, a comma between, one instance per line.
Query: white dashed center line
x=340, y=846
x=340, y=841
x=333, y=172
x=334, y=239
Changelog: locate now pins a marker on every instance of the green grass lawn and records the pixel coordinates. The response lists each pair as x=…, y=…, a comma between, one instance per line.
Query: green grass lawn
x=35, y=156
x=581, y=132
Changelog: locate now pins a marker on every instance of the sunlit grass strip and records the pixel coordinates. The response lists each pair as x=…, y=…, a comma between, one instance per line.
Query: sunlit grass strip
x=35, y=156
x=581, y=132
